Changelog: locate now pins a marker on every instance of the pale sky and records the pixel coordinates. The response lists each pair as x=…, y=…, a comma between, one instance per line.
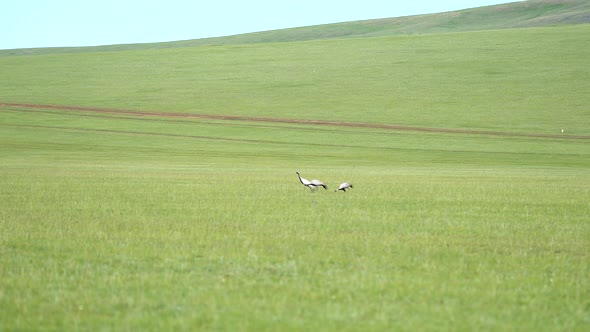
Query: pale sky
x=56, y=23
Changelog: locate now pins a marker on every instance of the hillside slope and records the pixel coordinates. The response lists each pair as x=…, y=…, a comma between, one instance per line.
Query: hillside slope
x=531, y=13
x=501, y=80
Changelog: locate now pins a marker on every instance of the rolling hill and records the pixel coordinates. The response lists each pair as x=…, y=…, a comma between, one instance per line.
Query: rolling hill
x=531, y=13
x=502, y=80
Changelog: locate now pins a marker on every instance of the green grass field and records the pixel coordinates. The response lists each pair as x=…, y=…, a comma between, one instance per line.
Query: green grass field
x=115, y=221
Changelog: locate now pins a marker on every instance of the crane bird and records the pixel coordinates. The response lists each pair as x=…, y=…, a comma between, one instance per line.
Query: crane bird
x=344, y=186
x=313, y=184
x=318, y=183
x=305, y=182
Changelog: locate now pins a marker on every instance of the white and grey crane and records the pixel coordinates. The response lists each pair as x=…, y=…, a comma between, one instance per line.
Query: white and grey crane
x=313, y=184
x=318, y=183
x=344, y=186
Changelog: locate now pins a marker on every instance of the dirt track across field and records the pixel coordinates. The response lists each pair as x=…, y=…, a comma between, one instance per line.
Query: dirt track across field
x=285, y=120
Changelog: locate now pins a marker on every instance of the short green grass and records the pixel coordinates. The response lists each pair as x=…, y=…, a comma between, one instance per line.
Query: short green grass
x=127, y=223
x=151, y=248
x=121, y=222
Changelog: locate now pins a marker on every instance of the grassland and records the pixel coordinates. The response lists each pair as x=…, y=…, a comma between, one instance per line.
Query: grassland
x=135, y=247
x=114, y=221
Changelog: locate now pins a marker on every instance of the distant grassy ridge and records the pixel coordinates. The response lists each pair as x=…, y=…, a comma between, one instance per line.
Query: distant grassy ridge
x=532, y=80
x=513, y=15
x=532, y=13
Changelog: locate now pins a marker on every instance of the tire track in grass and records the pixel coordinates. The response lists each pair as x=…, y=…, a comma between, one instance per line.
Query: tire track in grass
x=173, y=120
x=392, y=127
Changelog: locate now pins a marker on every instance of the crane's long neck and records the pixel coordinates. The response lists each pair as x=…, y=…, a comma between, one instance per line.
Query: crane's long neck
x=300, y=178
